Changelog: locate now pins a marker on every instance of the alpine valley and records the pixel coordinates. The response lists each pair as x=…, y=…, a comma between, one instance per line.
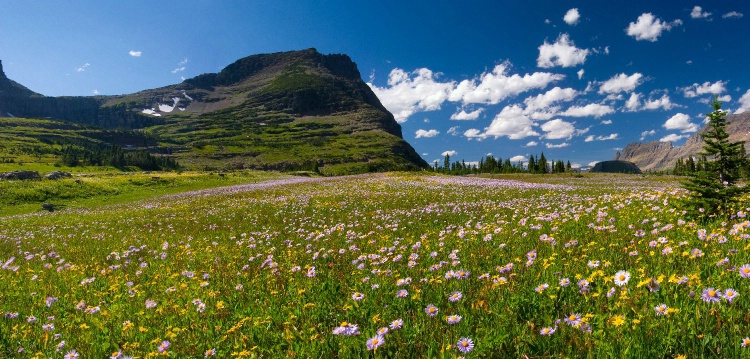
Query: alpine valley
x=298, y=110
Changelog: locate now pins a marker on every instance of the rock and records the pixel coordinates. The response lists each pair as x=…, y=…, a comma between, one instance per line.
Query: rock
x=57, y=175
x=48, y=207
x=662, y=156
x=616, y=167
x=20, y=175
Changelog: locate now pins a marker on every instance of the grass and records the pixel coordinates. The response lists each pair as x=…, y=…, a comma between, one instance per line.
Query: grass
x=273, y=268
x=100, y=189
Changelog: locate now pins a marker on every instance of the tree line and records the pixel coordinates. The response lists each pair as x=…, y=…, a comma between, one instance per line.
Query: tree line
x=536, y=164
x=114, y=156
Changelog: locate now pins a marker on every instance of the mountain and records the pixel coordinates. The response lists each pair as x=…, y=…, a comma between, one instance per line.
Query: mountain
x=285, y=111
x=662, y=156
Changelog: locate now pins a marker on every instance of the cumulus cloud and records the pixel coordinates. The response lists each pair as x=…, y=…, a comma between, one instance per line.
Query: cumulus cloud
x=649, y=28
x=562, y=52
x=592, y=164
x=83, y=67
x=680, y=122
x=408, y=93
x=606, y=122
x=135, y=53
x=531, y=144
x=572, y=16
x=698, y=13
x=732, y=15
x=673, y=137
x=463, y=115
x=427, y=133
x=580, y=74
x=621, y=83
x=497, y=85
x=593, y=109
x=453, y=131
x=705, y=88
x=664, y=102
x=449, y=153
x=647, y=133
x=591, y=138
x=519, y=158
x=634, y=102
x=561, y=145
x=512, y=123
x=744, y=103
x=545, y=100
x=474, y=133
x=558, y=129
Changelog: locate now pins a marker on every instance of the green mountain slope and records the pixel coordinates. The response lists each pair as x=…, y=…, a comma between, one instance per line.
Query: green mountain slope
x=285, y=111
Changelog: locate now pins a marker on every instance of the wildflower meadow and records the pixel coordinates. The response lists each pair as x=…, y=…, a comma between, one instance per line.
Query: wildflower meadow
x=397, y=265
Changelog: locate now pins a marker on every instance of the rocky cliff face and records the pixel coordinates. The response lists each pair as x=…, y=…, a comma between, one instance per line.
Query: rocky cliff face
x=662, y=156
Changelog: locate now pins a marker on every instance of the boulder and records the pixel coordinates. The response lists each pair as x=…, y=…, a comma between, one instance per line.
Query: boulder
x=20, y=175
x=57, y=175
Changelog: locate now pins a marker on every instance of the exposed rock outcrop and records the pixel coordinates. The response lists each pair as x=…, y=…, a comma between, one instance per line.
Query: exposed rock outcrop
x=616, y=167
x=662, y=156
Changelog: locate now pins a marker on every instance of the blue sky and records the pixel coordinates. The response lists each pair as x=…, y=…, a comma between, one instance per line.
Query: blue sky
x=575, y=80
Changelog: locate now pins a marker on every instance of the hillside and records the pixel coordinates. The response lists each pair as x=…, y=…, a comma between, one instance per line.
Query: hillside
x=285, y=111
x=662, y=156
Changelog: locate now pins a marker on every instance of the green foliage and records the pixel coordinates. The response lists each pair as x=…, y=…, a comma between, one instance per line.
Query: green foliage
x=714, y=188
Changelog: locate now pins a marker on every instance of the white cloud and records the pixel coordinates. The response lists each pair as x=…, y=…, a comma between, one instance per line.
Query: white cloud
x=427, y=133
x=453, y=130
x=449, y=153
x=96, y=92
x=580, y=74
x=408, y=93
x=463, y=115
x=664, y=102
x=575, y=165
x=634, y=102
x=513, y=123
x=724, y=98
x=705, y=88
x=572, y=16
x=673, y=137
x=698, y=13
x=134, y=53
x=549, y=145
x=495, y=86
x=179, y=69
x=558, y=129
x=531, y=144
x=744, y=103
x=592, y=164
x=593, y=109
x=680, y=122
x=620, y=83
x=591, y=138
x=473, y=133
x=544, y=101
x=647, y=133
x=649, y=28
x=83, y=68
x=606, y=122
x=561, y=53
x=732, y=15
x=519, y=158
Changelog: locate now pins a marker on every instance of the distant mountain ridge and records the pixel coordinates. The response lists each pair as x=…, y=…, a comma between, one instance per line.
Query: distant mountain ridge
x=287, y=110
x=662, y=156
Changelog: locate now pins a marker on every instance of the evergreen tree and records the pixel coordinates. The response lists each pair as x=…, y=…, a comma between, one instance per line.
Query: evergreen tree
x=568, y=167
x=542, y=164
x=713, y=189
x=532, y=164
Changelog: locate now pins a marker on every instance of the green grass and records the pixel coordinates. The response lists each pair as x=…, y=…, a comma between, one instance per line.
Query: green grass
x=271, y=271
x=99, y=189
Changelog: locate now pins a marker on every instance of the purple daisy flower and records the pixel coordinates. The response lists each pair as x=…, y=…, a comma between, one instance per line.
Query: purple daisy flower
x=730, y=294
x=374, y=342
x=431, y=310
x=573, y=320
x=465, y=345
x=745, y=271
x=711, y=295
x=396, y=324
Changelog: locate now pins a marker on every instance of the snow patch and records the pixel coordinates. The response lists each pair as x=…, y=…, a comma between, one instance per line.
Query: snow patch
x=186, y=96
x=151, y=112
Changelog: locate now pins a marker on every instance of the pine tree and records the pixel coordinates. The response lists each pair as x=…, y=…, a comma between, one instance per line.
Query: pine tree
x=541, y=164
x=713, y=188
